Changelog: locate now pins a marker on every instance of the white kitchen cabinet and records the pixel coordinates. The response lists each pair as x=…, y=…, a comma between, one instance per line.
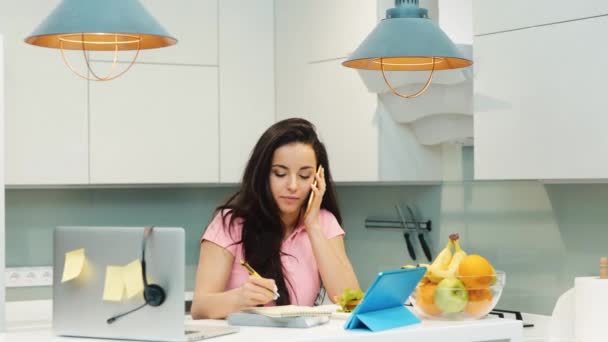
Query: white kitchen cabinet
x=191, y=113
x=156, y=124
x=540, y=102
x=195, y=25
x=290, y=60
x=241, y=89
x=159, y=122
x=46, y=106
x=334, y=28
x=246, y=83
x=490, y=16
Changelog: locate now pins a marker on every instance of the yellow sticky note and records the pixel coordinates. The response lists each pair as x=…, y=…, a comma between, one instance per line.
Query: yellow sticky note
x=134, y=282
x=74, y=261
x=114, y=286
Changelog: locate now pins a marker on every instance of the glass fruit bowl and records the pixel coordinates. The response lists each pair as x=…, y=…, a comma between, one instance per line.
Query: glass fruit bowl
x=458, y=298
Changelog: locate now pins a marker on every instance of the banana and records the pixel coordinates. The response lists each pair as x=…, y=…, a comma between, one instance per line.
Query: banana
x=442, y=261
x=452, y=268
x=459, y=254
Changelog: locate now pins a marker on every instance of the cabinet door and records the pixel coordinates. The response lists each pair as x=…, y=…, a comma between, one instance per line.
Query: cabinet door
x=334, y=28
x=500, y=15
x=46, y=108
x=541, y=102
x=291, y=61
x=247, y=105
x=195, y=25
x=313, y=37
x=155, y=124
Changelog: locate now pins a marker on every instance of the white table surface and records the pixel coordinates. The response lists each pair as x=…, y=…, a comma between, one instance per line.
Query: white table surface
x=31, y=321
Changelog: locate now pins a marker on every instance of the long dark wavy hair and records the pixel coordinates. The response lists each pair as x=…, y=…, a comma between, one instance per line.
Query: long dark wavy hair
x=263, y=229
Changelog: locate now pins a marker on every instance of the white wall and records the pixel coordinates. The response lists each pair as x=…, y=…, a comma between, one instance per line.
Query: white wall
x=456, y=20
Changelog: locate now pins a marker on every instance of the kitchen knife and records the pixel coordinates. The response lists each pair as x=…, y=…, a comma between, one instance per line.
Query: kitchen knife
x=410, y=247
x=425, y=246
x=406, y=234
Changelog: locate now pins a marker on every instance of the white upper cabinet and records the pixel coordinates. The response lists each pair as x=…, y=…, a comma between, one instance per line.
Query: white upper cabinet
x=334, y=28
x=246, y=84
x=156, y=124
x=492, y=16
x=195, y=25
x=192, y=113
x=540, y=102
x=45, y=105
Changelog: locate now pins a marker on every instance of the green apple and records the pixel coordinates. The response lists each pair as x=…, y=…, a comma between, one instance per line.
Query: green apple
x=451, y=295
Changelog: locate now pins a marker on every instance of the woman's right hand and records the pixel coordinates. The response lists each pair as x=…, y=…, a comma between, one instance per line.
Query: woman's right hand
x=256, y=291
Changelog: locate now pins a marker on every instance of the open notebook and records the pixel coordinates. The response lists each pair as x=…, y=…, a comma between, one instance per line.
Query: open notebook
x=284, y=316
x=290, y=311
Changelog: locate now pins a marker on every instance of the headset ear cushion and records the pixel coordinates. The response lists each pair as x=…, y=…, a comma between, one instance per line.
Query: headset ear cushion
x=154, y=295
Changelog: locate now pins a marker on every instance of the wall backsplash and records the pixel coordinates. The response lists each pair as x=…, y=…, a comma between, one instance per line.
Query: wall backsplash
x=32, y=215
x=541, y=235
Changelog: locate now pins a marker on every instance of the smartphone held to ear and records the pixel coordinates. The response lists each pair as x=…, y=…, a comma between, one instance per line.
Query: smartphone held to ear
x=312, y=193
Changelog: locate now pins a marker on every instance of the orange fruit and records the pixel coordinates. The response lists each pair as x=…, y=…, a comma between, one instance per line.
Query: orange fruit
x=480, y=302
x=425, y=301
x=476, y=272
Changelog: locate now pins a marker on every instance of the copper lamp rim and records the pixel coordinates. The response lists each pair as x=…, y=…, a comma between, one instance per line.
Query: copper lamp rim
x=373, y=63
x=54, y=40
x=132, y=39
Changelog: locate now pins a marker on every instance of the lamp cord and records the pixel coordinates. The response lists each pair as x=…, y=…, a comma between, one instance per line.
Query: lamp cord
x=410, y=96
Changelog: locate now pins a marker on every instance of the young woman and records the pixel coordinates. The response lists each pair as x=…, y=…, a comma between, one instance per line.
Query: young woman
x=293, y=246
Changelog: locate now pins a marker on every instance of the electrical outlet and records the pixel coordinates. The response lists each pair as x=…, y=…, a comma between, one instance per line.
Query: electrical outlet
x=28, y=276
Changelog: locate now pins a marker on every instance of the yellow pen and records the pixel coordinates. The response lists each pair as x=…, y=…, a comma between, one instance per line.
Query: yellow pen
x=252, y=272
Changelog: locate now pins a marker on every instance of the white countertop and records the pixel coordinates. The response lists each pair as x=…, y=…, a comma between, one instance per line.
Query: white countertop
x=537, y=333
x=31, y=321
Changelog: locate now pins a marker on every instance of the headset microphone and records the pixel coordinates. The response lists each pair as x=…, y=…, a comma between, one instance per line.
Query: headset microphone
x=154, y=295
x=112, y=319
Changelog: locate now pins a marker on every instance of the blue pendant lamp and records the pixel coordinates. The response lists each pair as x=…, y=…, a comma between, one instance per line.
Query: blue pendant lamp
x=100, y=25
x=407, y=40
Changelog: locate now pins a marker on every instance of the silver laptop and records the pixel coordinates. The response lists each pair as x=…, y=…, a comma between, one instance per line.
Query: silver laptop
x=78, y=305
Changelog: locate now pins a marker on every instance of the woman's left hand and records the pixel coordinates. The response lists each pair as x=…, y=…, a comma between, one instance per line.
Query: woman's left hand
x=311, y=216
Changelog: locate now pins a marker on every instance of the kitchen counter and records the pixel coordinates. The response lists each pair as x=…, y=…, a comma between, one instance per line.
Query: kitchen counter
x=538, y=332
x=31, y=321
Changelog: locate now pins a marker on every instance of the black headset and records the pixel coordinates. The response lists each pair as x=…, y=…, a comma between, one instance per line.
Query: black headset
x=154, y=295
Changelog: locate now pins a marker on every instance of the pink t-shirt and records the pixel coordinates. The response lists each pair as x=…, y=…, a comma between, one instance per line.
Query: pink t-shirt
x=299, y=265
